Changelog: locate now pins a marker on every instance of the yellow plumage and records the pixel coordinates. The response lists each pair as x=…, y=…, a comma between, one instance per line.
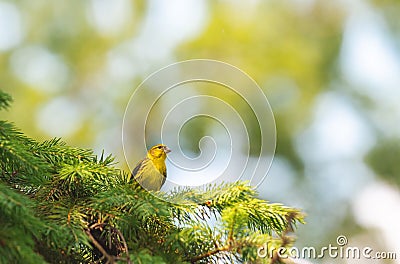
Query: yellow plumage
x=151, y=172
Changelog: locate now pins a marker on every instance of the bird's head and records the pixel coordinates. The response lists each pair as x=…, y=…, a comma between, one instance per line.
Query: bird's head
x=158, y=152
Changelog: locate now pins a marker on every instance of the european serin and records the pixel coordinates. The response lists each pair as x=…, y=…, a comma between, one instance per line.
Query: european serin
x=151, y=172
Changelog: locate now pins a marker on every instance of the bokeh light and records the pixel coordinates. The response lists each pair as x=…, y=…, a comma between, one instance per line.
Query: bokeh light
x=330, y=71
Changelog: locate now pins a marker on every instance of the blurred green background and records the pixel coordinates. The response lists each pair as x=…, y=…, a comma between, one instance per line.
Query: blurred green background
x=330, y=69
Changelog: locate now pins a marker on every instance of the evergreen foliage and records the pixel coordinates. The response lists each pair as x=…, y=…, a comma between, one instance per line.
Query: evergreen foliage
x=60, y=204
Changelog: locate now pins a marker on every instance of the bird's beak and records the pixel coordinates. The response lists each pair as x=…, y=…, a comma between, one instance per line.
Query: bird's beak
x=166, y=149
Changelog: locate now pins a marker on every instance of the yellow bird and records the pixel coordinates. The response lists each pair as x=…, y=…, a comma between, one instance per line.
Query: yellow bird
x=151, y=172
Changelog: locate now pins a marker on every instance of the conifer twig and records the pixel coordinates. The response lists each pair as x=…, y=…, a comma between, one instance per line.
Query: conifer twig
x=110, y=259
x=124, y=243
x=120, y=235
x=210, y=253
x=284, y=236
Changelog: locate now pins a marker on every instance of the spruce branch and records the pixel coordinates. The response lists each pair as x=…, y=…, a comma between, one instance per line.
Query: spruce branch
x=16, y=157
x=211, y=253
x=110, y=258
x=5, y=100
x=61, y=204
x=286, y=239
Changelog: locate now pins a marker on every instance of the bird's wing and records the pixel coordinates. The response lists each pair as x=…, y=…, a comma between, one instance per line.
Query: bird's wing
x=138, y=167
x=163, y=179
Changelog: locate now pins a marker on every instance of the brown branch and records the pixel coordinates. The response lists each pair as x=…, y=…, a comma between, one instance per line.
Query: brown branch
x=285, y=236
x=231, y=243
x=95, y=225
x=210, y=253
x=121, y=237
x=110, y=259
x=128, y=259
x=51, y=193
